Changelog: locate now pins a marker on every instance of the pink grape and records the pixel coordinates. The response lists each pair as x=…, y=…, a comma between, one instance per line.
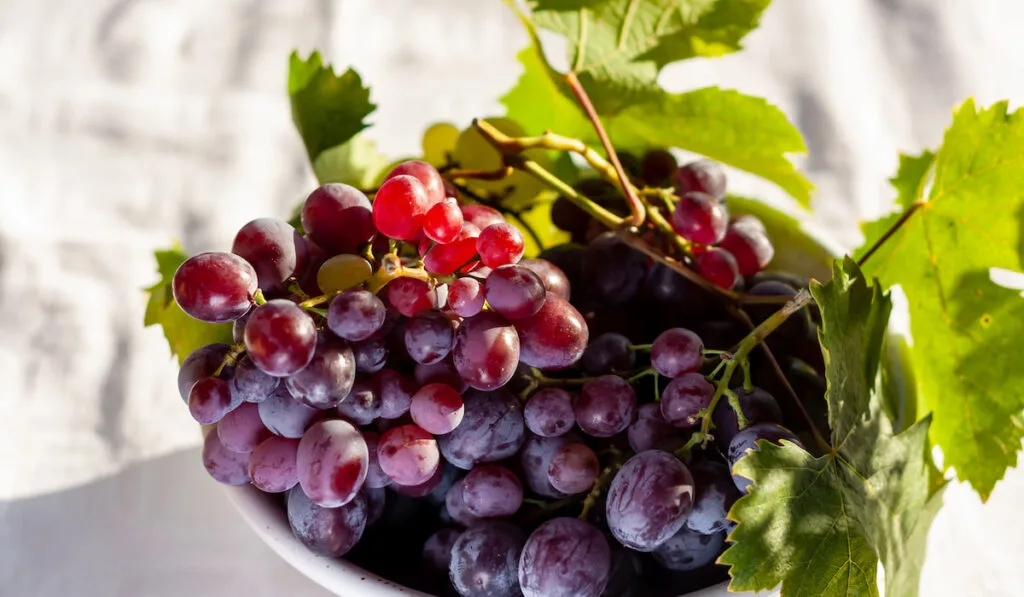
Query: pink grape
x=514, y=291
x=500, y=244
x=437, y=408
x=429, y=336
x=241, y=430
x=332, y=462
x=225, y=466
x=375, y=477
x=481, y=216
x=399, y=207
x=719, y=267
x=428, y=176
x=443, y=222
x=440, y=372
x=702, y=176
x=411, y=296
x=200, y=363
x=677, y=351
x=408, y=454
x=210, y=400
x=566, y=557
x=554, y=337
x=396, y=393
x=466, y=296
x=214, y=287
x=492, y=491
x=455, y=505
x=273, y=466
x=486, y=351
x=423, y=489
x=747, y=241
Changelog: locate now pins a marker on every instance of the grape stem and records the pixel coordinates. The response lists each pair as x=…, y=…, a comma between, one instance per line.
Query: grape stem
x=258, y=297
x=231, y=358
x=499, y=174
x=293, y=287
x=391, y=268
x=606, y=476
x=552, y=382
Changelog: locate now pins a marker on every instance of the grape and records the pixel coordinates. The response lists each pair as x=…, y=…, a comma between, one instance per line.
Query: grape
x=492, y=429
x=549, y=413
x=749, y=244
x=225, y=466
x=615, y=269
x=486, y=351
x=342, y=272
x=554, y=337
x=238, y=327
x=716, y=493
x=574, y=469
x=395, y=391
x=428, y=176
x=606, y=406
x=649, y=428
x=553, y=278
x=408, y=454
x=423, y=489
x=492, y=491
x=308, y=279
x=214, y=287
x=410, y=296
x=443, y=222
x=671, y=289
x=536, y=457
x=608, y=353
x=500, y=244
x=328, y=378
x=250, y=384
x=565, y=557
x=455, y=505
x=285, y=416
x=338, y=218
x=355, y=314
x=280, y=338
x=700, y=218
x=485, y=560
x=718, y=266
x=272, y=465
x=274, y=249
x=428, y=336
x=702, y=176
x=376, y=501
x=330, y=532
x=399, y=207
x=677, y=351
x=363, y=404
x=746, y=440
x=375, y=477
x=649, y=500
x=437, y=551
x=657, y=167
x=200, y=363
x=466, y=297
x=241, y=430
x=332, y=462
x=688, y=550
x=757, y=405
x=514, y=291
x=446, y=259
x=370, y=355
x=481, y=216
x=565, y=215
x=437, y=408
x=210, y=399
x=684, y=397
x=440, y=372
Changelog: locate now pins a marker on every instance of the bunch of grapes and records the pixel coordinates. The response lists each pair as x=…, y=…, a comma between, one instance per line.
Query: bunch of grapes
x=439, y=410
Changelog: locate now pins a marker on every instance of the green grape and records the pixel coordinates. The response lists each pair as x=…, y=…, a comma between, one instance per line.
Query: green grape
x=343, y=271
x=439, y=143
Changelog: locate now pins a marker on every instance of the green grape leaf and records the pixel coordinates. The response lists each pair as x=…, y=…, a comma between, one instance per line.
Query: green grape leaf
x=327, y=109
x=184, y=334
x=820, y=525
x=965, y=327
x=356, y=162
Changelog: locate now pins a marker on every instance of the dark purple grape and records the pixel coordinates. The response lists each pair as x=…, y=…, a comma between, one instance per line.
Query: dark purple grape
x=371, y=355
x=671, y=289
x=574, y=469
x=200, y=363
x=355, y=314
x=535, y=459
x=565, y=557
x=553, y=278
x=332, y=462
x=338, y=218
x=455, y=505
x=210, y=399
x=486, y=351
x=485, y=560
x=438, y=408
x=689, y=550
x=273, y=466
x=757, y=405
x=376, y=501
x=428, y=336
x=441, y=372
x=684, y=397
x=614, y=268
x=395, y=391
x=746, y=440
x=514, y=291
x=624, y=578
x=702, y=176
x=657, y=167
x=606, y=406
x=274, y=249
x=251, y=384
x=328, y=378
x=280, y=338
x=492, y=491
x=553, y=338
x=330, y=532
x=362, y=406
x=700, y=218
x=571, y=259
x=649, y=500
x=677, y=351
x=214, y=287
x=408, y=454
x=716, y=493
x=492, y=429
x=649, y=428
x=608, y=353
x=566, y=216
x=285, y=416
x=549, y=412
x=225, y=466
x=375, y=477
x=241, y=430
x=437, y=551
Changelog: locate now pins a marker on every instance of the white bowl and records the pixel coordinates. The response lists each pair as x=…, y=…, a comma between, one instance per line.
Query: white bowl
x=264, y=514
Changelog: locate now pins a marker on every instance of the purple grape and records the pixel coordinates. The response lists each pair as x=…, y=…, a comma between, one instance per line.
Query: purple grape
x=716, y=493
x=251, y=384
x=440, y=372
x=702, y=176
x=375, y=477
x=684, y=398
x=700, y=218
x=363, y=404
x=492, y=429
x=485, y=560
x=200, y=363
x=395, y=391
x=376, y=500
x=553, y=278
x=606, y=406
x=241, y=430
x=273, y=465
x=280, y=338
x=614, y=268
x=210, y=399
x=332, y=462
x=514, y=291
x=274, y=249
x=608, y=353
x=285, y=416
x=649, y=500
x=746, y=440
x=649, y=428
x=328, y=378
x=437, y=551
x=624, y=578
x=408, y=454
x=565, y=557
x=758, y=406
x=677, y=351
x=492, y=491
x=238, y=327
x=466, y=296
x=549, y=412
x=573, y=469
x=689, y=550
x=438, y=408
x=225, y=466
x=455, y=505
x=535, y=459
x=214, y=287
x=371, y=355
x=428, y=336
x=424, y=489
x=554, y=337
x=338, y=218
x=330, y=532
x=486, y=351
x=356, y=315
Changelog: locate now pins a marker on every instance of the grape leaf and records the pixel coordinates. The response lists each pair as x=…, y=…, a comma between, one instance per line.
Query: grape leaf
x=184, y=334
x=327, y=109
x=819, y=525
x=965, y=328
x=356, y=162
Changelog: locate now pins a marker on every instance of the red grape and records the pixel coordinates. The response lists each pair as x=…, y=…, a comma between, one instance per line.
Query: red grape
x=702, y=176
x=718, y=266
x=573, y=469
x=500, y=244
x=437, y=551
x=684, y=398
x=437, y=408
x=225, y=466
x=606, y=406
x=749, y=244
x=332, y=461
x=615, y=269
x=443, y=222
x=700, y=218
x=466, y=297
x=657, y=167
x=485, y=560
x=492, y=491
x=447, y=259
x=716, y=493
x=355, y=314
x=486, y=351
x=399, y=207
x=514, y=291
x=535, y=458
x=428, y=176
x=338, y=218
x=554, y=337
x=215, y=287
x=440, y=372
x=608, y=353
x=746, y=440
x=551, y=275
x=200, y=363
x=549, y=413
x=274, y=249
x=677, y=351
x=273, y=465
x=328, y=378
x=408, y=454
x=410, y=296
x=481, y=216
x=371, y=354
x=363, y=403
x=375, y=477
x=250, y=384
x=280, y=338
x=689, y=550
x=455, y=505
x=649, y=429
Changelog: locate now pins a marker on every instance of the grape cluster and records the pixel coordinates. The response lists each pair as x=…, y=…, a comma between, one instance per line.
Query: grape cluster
x=436, y=408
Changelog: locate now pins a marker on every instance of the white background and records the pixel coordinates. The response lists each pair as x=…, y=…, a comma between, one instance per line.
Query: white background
x=125, y=124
